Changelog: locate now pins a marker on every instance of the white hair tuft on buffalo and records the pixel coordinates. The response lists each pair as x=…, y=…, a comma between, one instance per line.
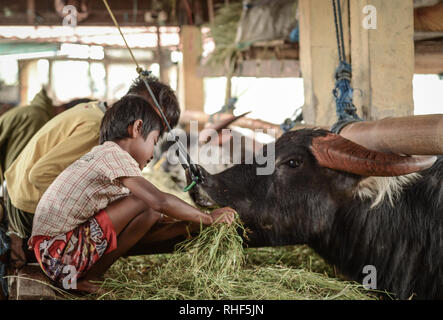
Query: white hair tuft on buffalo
x=380, y=188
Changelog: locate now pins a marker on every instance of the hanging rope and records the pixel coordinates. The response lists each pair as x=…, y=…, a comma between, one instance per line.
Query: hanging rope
x=121, y=33
x=185, y=159
x=343, y=92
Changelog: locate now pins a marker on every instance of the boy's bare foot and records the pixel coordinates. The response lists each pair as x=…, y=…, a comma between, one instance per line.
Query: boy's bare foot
x=87, y=286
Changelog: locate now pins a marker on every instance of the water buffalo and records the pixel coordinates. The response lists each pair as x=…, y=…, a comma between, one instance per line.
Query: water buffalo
x=354, y=206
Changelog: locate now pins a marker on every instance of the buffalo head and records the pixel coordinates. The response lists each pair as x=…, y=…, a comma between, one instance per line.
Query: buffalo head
x=316, y=172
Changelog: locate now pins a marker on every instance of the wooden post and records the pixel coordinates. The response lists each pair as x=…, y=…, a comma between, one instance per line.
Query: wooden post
x=383, y=58
x=161, y=59
x=319, y=58
x=50, y=85
x=159, y=53
x=229, y=71
x=191, y=95
x=23, y=75
x=211, y=11
x=30, y=11
x=107, y=92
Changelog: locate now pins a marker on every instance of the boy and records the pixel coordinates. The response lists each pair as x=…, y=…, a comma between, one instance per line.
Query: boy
x=101, y=206
x=60, y=142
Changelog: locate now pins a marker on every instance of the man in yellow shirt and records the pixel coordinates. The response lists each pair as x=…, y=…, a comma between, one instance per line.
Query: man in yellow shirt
x=56, y=145
x=18, y=125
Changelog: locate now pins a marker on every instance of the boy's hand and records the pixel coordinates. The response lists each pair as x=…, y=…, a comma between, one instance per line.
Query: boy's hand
x=221, y=215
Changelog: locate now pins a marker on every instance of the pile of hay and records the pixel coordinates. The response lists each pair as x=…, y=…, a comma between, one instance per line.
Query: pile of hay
x=214, y=265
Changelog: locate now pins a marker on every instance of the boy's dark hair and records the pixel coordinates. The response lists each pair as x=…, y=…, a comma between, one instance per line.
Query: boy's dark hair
x=123, y=113
x=163, y=93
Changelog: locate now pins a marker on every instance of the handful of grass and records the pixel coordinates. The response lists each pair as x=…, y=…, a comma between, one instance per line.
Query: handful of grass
x=217, y=249
x=204, y=265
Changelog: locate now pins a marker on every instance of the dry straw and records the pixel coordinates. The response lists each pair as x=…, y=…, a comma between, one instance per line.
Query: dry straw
x=215, y=265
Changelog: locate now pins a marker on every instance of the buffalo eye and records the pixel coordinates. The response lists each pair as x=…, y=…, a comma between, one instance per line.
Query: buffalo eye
x=293, y=163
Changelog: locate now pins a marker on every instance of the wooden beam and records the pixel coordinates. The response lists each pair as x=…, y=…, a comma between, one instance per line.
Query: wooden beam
x=95, y=18
x=104, y=61
x=429, y=57
x=272, y=50
x=257, y=68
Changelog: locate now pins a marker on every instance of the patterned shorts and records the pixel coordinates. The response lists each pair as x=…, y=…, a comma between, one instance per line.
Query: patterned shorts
x=69, y=256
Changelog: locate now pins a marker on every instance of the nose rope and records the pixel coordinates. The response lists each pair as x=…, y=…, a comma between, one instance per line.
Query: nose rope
x=185, y=159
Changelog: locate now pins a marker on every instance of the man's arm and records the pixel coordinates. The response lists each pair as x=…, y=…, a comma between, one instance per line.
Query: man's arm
x=169, y=204
x=48, y=167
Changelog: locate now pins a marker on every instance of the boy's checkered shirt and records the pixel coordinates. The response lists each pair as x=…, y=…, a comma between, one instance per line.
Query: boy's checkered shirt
x=87, y=186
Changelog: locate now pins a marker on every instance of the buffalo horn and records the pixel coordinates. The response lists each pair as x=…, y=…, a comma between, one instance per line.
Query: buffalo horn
x=335, y=152
x=205, y=133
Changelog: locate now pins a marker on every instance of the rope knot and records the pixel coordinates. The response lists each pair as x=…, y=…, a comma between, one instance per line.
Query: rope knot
x=344, y=71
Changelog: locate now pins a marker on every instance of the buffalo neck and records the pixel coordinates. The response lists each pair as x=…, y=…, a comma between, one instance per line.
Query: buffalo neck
x=402, y=241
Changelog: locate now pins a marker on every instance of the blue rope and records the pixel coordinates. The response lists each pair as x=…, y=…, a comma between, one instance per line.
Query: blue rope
x=287, y=125
x=343, y=92
x=294, y=36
